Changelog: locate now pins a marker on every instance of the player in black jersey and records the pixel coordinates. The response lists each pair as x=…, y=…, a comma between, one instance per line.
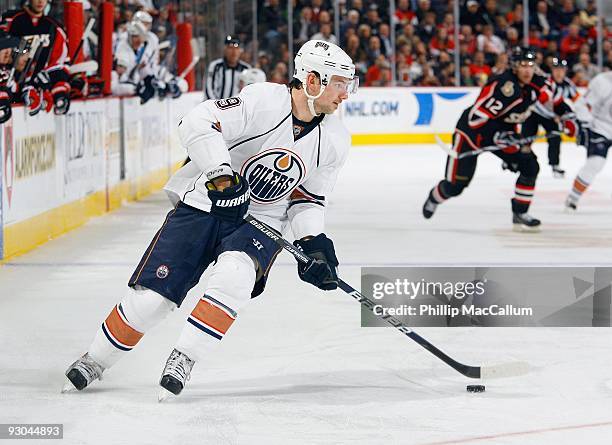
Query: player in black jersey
x=48, y=74
x=563, y=90
x=504, y=103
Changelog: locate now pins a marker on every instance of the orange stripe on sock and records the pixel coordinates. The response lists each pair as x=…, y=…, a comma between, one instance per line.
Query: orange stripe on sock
x=212, y=316
x=580, y=186
x=119, y=329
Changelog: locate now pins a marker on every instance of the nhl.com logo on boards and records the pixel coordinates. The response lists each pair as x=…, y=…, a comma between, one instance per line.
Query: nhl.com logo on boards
x=272, y=174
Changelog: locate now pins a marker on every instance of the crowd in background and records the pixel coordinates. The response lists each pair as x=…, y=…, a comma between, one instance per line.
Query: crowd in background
x=424, y=37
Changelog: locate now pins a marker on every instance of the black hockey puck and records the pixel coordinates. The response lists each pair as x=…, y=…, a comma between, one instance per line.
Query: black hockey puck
x=475, y=388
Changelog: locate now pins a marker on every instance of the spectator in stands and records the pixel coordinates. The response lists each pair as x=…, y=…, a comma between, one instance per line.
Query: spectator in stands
x=489, y=43
x=490, y=12
x=403, y=14
x=472, y=16
x=325, y=33
x=372, y=18
x=271, y=19
x=571, y=43
x=385, y=40
x=501, y=64
x=586, y=69
x=373, y=52
x=427, y=27
x=441, y=42
x=479, y=69
x=512, y=37
x=306, y=26
x=567, y=13
x=424, y=7
x=317, y=7
x=466, y=77
x=541, y=18
x=350, y=22
x=379, y=74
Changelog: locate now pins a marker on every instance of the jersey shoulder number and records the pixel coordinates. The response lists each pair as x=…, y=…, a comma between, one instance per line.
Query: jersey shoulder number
x=230, y=102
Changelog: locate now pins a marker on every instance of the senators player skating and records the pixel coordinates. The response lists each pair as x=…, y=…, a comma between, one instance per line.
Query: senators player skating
x=271, y=151
x=504, y=103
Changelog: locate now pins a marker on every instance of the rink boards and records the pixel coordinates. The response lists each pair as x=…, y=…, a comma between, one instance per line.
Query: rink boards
x=59, y=171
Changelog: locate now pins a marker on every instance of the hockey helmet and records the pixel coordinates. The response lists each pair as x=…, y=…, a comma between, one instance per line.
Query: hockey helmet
x=143, y=17
x=523, y=56
x=558, y=62
x=252, y=75
x=326, y=60
x=135, y=28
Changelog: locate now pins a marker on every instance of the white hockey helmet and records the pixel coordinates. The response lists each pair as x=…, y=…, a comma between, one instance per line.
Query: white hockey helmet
x=143, y=17
x=252, y=75
x=327, y=60
x=135, y=28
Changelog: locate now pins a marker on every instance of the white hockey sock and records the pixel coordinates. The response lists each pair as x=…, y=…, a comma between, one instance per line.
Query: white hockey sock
x=140, y=310
x=586, y=176
x=229, y=288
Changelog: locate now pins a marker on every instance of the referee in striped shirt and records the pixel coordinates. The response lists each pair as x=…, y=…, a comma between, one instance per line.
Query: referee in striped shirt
x=222, y=75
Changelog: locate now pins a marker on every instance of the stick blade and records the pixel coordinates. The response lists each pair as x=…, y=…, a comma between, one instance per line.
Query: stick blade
x=445, y=147
x=505, y=370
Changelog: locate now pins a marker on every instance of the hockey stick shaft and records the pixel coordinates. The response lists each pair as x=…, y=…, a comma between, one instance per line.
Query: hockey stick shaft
x=187, y=70
x=491, y=148
x=468, y=371
x=88, y=28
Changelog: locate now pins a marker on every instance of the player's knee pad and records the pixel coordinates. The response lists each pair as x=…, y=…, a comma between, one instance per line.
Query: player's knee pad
x=592, y=166
x=451, y=189
x=144, y=308
x=232, y=279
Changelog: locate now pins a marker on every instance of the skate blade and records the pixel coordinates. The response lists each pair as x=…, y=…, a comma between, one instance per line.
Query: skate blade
x=164, y=395
x=520, y=228
x=68, y=387
x=569, y=210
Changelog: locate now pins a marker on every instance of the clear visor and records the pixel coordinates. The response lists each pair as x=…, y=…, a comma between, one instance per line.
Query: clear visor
x=345, y=85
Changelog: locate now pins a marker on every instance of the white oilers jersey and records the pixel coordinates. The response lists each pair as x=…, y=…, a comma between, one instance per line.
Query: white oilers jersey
x=291, y=168
x=595, y=107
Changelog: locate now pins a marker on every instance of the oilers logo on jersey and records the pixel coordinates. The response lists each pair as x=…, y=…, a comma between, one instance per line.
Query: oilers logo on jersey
x=273, y=174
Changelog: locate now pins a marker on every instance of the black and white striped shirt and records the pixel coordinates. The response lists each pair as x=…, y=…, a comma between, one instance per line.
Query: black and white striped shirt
x=222, y=80
x=565, y=90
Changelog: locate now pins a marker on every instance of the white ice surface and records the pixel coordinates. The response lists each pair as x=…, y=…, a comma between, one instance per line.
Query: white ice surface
x=296, y=368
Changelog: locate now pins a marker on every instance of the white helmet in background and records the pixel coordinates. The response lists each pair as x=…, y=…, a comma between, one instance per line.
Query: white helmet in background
x=252, y=75
x=327, y=60
x=135, y=28
x=143, y=17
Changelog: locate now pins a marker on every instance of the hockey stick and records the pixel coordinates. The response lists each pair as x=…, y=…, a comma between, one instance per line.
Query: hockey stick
x=527, y=140
x=83, y=67
x=88, y=28
x=474, y=372
x=187, y=70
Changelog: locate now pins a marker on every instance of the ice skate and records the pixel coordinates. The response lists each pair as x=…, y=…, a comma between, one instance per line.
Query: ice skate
x=570, y=206
x=175, y=375
x=429, y=208
x=81, y=373
x=558, y=172
x=523, y=222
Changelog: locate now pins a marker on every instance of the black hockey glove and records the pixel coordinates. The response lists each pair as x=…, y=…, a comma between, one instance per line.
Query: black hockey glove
x=321, y=270
x=231, y=203
x=146, y=89
x=5, y=105
x=41, y=81
x=507, y=139
x=173, y=88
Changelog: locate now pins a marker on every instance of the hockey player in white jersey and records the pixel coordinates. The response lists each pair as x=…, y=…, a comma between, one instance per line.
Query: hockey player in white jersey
x=250, y=76
x=271, y=151
x=594, y=112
